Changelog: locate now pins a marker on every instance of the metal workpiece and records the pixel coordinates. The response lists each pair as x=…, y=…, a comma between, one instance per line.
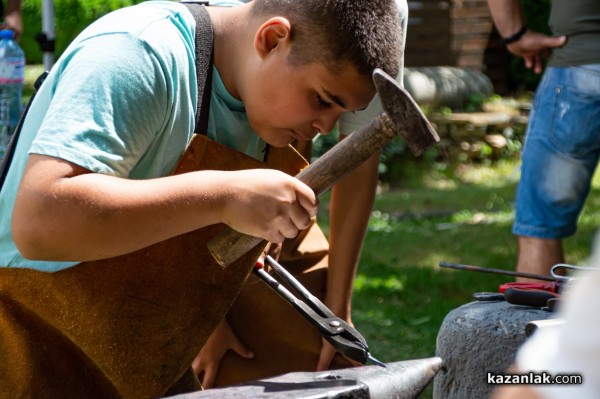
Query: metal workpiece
x=536, y=325
x=399, y=380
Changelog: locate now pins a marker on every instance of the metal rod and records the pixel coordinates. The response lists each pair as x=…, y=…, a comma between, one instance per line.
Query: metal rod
x=375, y=361
x=48, y=29
x=495, y=271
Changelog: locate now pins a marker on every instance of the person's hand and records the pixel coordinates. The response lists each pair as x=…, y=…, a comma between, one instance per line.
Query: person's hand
x=327, y=354
x=14, y=23
x=12, y=17
x=206, y=364
x=533, y=47
x=515, y=392
x=269, y=204
x=328, y=351
x=273, y=250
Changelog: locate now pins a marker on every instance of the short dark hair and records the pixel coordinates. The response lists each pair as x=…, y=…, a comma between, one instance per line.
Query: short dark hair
x=366, y=33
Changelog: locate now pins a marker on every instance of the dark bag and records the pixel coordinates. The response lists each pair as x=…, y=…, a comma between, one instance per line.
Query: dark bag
x=204, y=60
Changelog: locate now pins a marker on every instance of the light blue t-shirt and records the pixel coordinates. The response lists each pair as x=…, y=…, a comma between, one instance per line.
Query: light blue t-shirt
x=121, y=101
x=228, y=122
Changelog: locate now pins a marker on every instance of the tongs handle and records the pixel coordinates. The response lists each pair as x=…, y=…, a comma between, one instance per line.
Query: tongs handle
x=336, y=331
x=312, y=300
x=324, y=325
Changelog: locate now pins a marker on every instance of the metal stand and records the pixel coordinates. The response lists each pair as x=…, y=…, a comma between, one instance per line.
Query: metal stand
x=46, y=37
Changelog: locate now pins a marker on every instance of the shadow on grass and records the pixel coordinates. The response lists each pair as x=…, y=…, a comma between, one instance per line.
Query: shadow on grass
x=402, y=295
x=400, y=300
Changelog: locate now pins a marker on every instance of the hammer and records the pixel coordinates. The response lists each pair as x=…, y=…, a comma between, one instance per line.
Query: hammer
x=402, y=117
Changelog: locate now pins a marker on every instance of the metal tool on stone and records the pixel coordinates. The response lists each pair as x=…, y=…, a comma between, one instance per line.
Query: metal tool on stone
x=555, y=271
x=459, y=266
x=533, y=294
x=402, y=117
x=529, y=297
x=341, y=335
x=554, y=276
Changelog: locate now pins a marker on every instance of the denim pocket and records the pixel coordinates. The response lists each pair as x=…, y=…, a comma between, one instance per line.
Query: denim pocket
x=575, y=127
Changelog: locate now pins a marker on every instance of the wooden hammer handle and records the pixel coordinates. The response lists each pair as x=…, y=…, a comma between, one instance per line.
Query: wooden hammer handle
x=344, y=157
x=347, y=155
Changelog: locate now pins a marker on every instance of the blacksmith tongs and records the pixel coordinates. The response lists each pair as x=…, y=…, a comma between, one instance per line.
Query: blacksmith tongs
x=343, y=337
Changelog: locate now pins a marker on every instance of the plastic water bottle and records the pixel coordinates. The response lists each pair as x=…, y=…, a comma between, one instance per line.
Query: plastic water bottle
x=12, y=76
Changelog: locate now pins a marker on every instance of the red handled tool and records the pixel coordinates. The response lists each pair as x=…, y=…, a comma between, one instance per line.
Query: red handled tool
x=530, y=294
x=529, y=297
x=553, y=287
x=535, y=294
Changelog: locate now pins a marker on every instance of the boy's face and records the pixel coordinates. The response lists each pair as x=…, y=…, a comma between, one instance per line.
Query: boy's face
x=290, y=102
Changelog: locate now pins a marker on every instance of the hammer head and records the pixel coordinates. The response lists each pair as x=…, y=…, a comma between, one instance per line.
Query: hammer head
x=404, y=113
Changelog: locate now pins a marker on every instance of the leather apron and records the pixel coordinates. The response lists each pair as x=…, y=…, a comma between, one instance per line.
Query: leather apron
x=130, y=326
x=281, y=339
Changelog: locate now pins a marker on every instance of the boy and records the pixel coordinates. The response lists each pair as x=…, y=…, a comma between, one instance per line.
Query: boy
x=89, y=181
x=248, y=346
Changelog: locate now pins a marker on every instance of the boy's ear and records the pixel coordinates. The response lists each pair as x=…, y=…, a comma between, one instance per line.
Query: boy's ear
x=271, y=34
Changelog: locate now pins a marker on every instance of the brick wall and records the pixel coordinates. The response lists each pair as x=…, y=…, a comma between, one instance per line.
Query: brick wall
x=456, y=33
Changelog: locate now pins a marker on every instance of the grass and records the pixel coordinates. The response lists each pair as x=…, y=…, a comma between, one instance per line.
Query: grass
x=31, y=74
x=462, y=214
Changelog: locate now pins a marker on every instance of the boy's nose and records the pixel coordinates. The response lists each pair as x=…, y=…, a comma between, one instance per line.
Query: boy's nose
x=325, y=123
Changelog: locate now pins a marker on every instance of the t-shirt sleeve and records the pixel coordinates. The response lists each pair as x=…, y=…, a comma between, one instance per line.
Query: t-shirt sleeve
x=107, y=106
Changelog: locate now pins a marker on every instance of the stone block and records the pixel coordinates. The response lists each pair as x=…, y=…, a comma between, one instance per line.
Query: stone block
x=477, y=338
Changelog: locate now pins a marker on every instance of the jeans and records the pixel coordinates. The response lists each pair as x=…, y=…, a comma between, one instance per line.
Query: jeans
x=561, y=152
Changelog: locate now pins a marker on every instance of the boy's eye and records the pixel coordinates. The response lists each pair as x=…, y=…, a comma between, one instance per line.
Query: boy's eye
x=322, y=103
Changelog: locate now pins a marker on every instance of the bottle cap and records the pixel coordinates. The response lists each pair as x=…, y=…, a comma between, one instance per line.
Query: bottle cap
x=7, y=34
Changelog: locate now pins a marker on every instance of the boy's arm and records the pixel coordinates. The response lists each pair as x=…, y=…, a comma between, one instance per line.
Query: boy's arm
x=351, y=205
x=64, y=212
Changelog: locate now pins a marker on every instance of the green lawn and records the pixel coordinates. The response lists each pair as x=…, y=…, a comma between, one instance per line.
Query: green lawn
x=462, y=215
x=31, y=74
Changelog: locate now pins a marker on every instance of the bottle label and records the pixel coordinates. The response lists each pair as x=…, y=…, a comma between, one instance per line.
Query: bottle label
x=12, y=70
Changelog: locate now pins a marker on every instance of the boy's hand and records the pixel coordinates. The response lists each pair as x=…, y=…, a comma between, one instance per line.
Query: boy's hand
x=269, y=204
x=206, y=364
x=327, y=354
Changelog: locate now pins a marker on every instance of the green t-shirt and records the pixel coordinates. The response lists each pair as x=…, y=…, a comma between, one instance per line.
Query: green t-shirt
x=579, y=20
